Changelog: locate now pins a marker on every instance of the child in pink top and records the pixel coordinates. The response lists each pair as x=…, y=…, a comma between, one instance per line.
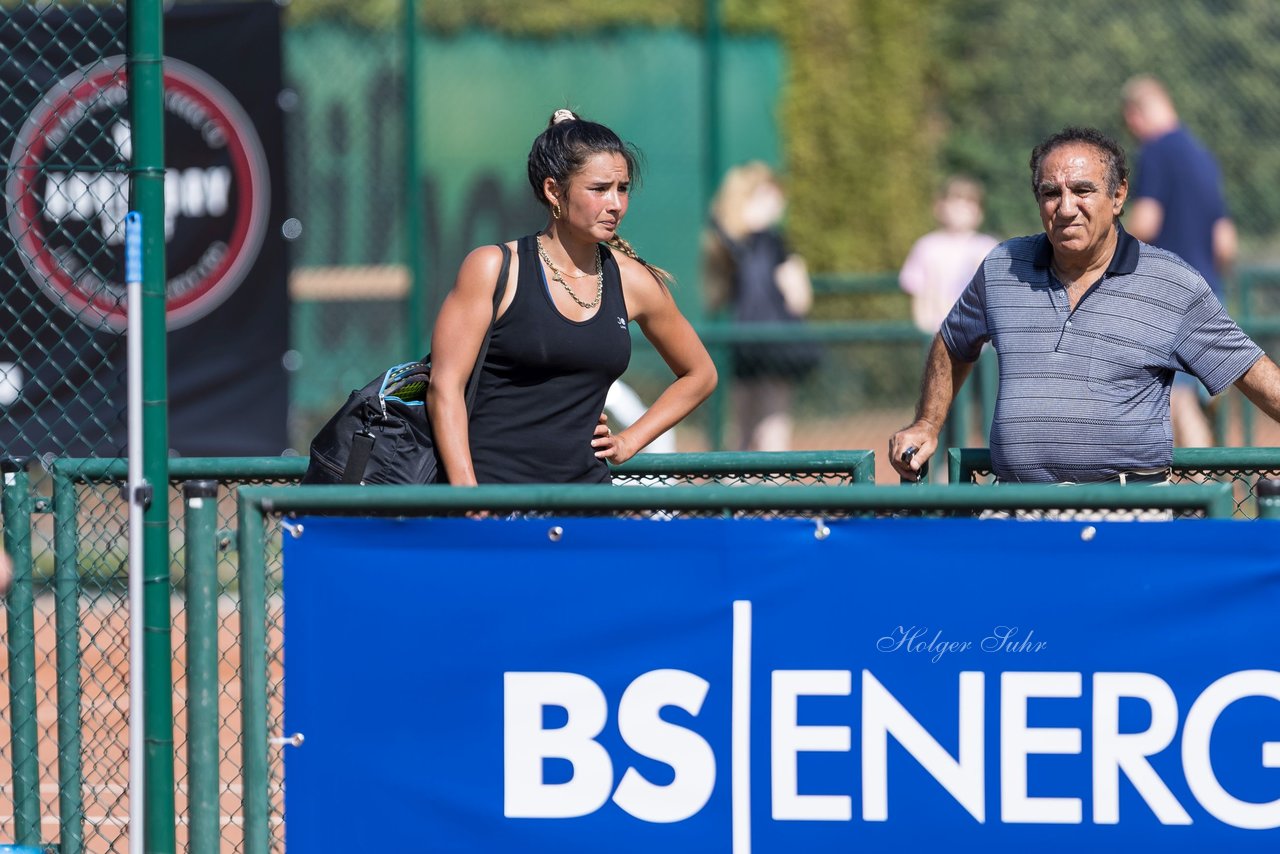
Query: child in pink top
x=942, y=262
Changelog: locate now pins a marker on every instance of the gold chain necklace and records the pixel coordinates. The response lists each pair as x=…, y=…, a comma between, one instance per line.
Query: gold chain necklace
x=558, y=275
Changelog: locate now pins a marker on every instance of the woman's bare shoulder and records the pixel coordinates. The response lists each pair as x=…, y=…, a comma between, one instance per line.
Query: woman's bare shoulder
x=482, y=264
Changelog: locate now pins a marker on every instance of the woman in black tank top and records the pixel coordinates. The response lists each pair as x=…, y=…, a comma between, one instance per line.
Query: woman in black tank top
x=561, y=336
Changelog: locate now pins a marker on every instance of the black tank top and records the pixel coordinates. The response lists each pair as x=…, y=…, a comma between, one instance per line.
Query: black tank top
x=544, y=382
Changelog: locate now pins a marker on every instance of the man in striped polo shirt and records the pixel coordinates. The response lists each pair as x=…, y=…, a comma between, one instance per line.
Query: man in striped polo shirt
x=1089, y=325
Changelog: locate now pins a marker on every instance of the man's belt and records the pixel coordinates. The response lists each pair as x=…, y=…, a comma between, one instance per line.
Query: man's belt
x=1128, y=477
x=1125, y=477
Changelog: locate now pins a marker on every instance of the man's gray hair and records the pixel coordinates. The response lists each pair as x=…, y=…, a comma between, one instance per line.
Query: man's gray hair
x=1112, y=152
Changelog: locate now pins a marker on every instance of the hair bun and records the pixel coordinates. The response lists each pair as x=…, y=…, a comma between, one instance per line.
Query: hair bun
x=562, y=116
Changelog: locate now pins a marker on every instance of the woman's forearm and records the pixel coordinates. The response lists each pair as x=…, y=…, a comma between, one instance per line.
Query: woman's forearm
x=679, y=399
x=447, y=412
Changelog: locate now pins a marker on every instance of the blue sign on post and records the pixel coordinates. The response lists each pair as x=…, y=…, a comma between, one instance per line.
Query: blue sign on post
x=741, y=685
x=133, y=248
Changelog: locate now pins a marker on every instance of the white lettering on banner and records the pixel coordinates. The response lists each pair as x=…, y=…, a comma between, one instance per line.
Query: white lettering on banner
x=789, y=739
x=526, y=744
x=740, y=729
x=1195, y=749
x=1018, y=741
x=1114, y=752
x=1002, y=640
x=963, y=776
x=911, y=640
x=683, y=749
x=84, y=196
x=11, y=382
x=882, y=714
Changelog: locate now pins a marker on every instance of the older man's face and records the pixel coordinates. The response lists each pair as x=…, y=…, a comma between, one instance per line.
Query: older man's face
x=1076, y=210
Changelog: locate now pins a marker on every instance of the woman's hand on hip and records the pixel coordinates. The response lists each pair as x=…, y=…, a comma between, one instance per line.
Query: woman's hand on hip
x=608, y=446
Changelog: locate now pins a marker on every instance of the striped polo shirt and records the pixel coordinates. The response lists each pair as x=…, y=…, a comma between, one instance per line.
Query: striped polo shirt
x=1084, y=393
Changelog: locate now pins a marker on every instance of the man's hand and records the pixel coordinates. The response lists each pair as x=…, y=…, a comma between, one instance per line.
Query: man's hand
x=911, y=447
x=944, y=374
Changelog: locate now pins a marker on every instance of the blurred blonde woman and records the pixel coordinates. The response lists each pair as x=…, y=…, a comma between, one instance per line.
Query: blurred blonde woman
x=752, y=277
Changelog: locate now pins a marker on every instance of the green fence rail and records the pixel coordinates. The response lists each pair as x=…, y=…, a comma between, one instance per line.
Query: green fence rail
x=67, y=530
x=88, y=558
x=749, y=467
x=1240, y=468
x=263, y=510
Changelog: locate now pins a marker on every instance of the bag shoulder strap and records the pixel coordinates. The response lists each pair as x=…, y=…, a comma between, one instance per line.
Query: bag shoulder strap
x=498, y=291
x=362, y=441
x=358, y=457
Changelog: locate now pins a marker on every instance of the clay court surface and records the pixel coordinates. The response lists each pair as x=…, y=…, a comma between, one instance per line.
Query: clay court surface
x=105, y=737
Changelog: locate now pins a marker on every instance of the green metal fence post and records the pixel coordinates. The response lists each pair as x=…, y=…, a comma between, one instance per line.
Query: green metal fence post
x=66, y=549
x=717, y=406
x=865, y=470
x=146, y=107
x=250, y=540
x=712, y=37
x=413, y=230
x=965, y=461
x=956, y=429
x=953, y=466
x=201, y=526
x=20, y=605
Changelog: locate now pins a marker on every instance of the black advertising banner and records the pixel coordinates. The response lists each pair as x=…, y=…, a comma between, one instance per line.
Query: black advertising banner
x=228, y=389
x=64, y=124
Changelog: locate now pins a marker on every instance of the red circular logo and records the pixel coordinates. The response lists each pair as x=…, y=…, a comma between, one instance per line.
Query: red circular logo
x=68, y=191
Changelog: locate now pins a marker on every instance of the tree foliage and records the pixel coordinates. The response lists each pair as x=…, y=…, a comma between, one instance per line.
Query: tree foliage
x=1012, y=73
x=885, y=97
x=858, y=151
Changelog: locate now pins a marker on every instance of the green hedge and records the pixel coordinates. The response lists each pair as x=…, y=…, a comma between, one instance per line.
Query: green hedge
x=859, y=169
x=884, y=97
x=860, y=166
x=1015, y=72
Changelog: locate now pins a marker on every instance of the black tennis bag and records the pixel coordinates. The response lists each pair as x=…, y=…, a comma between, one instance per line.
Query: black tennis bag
x=382, y=433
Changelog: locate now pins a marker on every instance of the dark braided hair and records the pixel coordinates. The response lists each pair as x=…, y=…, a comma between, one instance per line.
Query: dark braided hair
x=566, y=145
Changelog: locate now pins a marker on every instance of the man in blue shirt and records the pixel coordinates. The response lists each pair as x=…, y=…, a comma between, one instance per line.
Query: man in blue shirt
x=1089, y=326
x=1176, y=203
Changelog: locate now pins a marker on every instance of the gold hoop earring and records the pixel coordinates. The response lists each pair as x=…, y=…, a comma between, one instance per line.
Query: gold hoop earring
x=555, y=210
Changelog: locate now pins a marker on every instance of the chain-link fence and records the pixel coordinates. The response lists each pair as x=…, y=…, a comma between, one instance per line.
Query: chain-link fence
x=350, y=278
x=67, y=669
x=867, y=386
x=67, y=143
x=68, y=664
x=64, y=132
x=1243, y=469
x=483, y=97
x=68, y=532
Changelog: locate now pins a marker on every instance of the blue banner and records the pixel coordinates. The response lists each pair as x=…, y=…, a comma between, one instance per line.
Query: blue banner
x=762, y=685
